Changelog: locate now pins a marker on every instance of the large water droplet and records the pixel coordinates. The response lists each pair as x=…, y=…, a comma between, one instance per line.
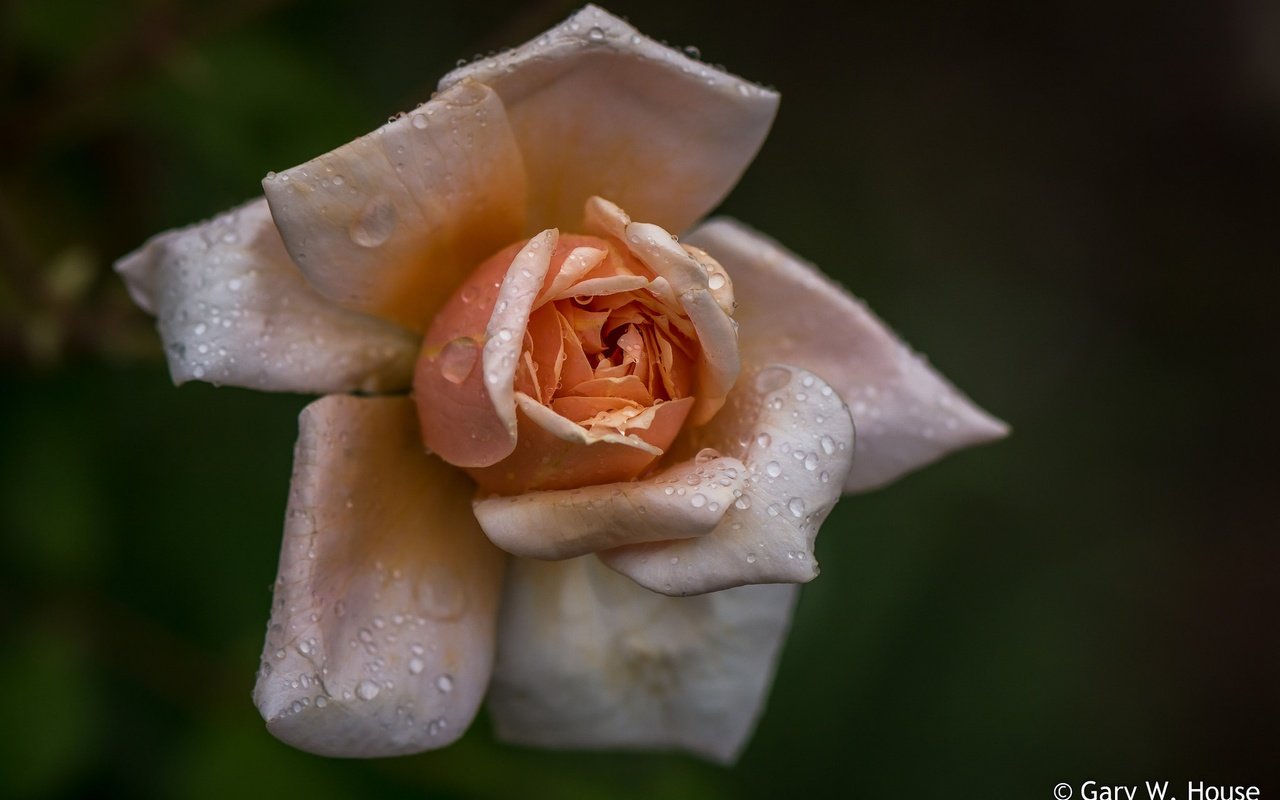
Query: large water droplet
x=445, y=683
x=367, y=690
x=773, y=469
x=375, y=222
x=458, y=358
x=771, y=379
x=796, y=506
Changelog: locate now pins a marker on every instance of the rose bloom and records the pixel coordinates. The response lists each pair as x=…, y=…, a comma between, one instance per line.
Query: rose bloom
x=517, y=357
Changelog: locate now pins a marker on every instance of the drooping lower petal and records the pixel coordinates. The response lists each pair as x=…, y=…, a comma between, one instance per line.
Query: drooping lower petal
x=600, y=109
x=906, y=413
x=795, y=436
x=687, y=500
x=392, y=222
x=382, y=625
x=587, y=659
x=233, y=309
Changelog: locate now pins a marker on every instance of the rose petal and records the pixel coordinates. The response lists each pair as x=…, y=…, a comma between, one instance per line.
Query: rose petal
x=469, y=414
x=906, y=413
x=587, y=659
x=717, y=332
x=392, y=222
x=553, y=453
x=599, y=108
x=795, y=436
x=684, y=501
x=381, y=633
x=233, y=309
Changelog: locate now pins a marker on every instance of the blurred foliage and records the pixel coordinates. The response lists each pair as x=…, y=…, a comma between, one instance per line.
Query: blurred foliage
x=1070, y=206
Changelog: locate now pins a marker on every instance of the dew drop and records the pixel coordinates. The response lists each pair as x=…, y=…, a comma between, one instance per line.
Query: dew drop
x=828, y=445
x=416, y=666
x=698, y=500
x=445, y=683
x=367, y=690
x=419, y=121
x=796, y=506
x=716, y=281
x=751, y=558
x=458, y=359
x=771, y=379
x=374, y=223
x=596, y=34
x=764, y=440
x=773, y=469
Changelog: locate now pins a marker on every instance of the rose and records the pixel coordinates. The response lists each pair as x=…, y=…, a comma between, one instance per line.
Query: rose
x=386, y=609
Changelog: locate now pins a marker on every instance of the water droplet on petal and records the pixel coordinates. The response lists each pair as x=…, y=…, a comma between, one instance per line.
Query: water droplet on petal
x=771, y=379
x=773, y=469
x=458, y=358
x=796, y=506
x=374, y=223
x=445, y=683
x=367, y=690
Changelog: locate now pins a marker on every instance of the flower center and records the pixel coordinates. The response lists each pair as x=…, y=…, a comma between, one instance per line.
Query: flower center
x=607, y=338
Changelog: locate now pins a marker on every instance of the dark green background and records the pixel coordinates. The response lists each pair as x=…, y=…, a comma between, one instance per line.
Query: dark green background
x=1070, y=206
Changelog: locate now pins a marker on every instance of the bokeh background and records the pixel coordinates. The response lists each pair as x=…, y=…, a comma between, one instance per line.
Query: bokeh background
x=1071, y=206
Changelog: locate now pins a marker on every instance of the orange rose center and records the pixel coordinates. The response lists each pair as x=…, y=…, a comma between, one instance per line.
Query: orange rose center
x=606, y=342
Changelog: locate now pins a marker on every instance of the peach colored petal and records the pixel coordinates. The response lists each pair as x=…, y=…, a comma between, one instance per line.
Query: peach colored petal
x=553, y=453
x=232, y=309
x=689, y=282
x=907, y=413
x=465, y=379
x=575, y=266
x=598, y=108
x=391, y=223
x=591, y=287
x=382, y=626
x=684, y=501
x=795, y=436
x=587, y=659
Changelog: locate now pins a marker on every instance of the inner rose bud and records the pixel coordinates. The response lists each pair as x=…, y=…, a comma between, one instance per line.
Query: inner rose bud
x=568, y=360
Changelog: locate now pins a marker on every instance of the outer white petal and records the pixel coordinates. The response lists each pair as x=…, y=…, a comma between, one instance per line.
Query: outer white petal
x=393, y=222
x=686, y=500
x=587, y=659
x=906, y=413
x=382, y=628
x=233, y=309
x=600, y=109
x=795, y=436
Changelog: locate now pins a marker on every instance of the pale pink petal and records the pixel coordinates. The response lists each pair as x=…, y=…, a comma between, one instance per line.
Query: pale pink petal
x=553, y=453
x=393, y=222
x=587, y=659
x=795, y=436
x=906, y=413
x=233, y=309
x=465, y=378
x=600, y=109
x=382, y=626
x=684, y=501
